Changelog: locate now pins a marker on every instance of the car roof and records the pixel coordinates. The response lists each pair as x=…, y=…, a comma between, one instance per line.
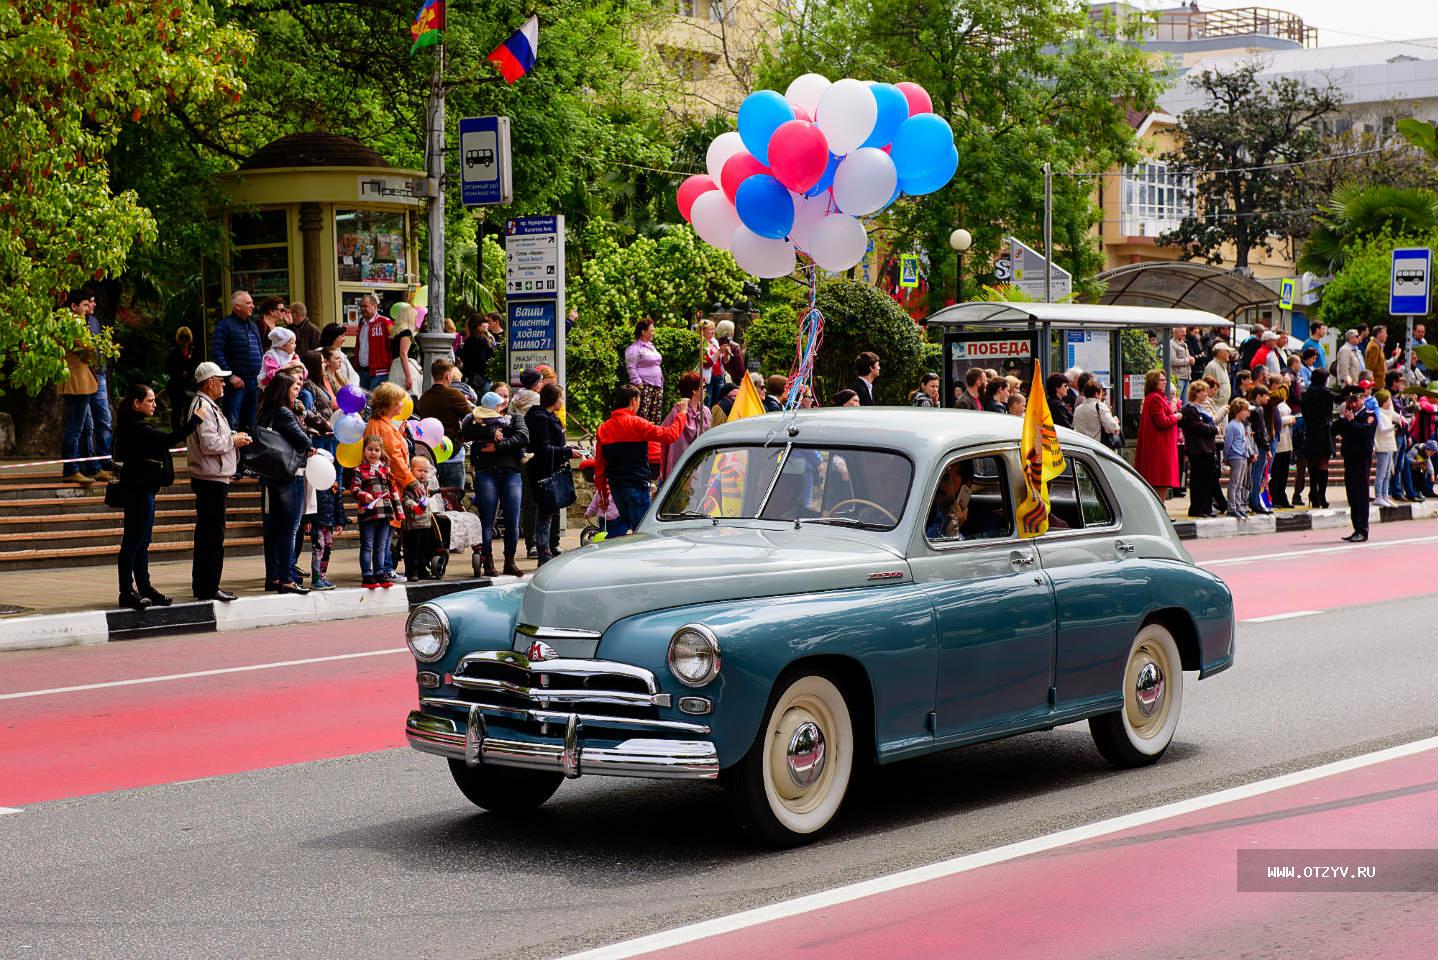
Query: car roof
x=921, y=432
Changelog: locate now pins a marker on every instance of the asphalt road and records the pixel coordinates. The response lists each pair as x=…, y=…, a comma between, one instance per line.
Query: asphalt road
x=377, y=855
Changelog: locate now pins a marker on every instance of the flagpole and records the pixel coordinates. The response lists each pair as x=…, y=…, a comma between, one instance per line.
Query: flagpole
x=434, y=343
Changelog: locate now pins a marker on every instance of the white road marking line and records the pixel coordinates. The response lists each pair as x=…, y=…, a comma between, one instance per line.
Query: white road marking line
x=200, y=673
x=948, y=868
x=1282, y=616
x=5, y=810
x=1231, y=561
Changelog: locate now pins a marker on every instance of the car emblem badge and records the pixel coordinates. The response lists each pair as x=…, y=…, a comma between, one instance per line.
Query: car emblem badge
x=539, y=650
x=887, y=575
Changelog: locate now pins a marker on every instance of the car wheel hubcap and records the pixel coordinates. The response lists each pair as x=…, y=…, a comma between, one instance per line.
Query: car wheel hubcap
x=1146, y=700
x=1149, y=689
x=806, y=754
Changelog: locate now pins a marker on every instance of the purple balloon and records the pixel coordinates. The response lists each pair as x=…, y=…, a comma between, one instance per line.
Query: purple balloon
x=350, y=398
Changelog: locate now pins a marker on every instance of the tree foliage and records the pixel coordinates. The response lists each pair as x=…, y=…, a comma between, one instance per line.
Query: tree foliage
x=1246, y=125
x=1358, y=293
x=859, y=317
x=75, y=76
x=1019, y=84
x=1358, y=212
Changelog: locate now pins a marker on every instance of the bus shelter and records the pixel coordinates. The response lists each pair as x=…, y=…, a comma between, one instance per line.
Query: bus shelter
x=1010, y=337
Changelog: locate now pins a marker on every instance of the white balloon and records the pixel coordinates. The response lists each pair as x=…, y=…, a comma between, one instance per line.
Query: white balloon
x=320, y=472
x=807, y=90
x=714, y=219
x=846, y=116
x=724, y=146
x=808, y=211
x=839, y=242
x=865, y=181
x=761, y=256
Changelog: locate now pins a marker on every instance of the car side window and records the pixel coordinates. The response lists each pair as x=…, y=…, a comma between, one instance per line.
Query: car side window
x=1092, y=503
x=970, y=502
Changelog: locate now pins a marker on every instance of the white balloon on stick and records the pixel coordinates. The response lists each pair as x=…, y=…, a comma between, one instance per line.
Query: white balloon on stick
x=846, y=116
x=724, y=146
x=808, y=211
x=839, y=242
x=715, y=219
x=865, y=181
x=763, y=257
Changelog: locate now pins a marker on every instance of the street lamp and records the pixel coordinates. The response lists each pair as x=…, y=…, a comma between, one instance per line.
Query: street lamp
x=960, y=240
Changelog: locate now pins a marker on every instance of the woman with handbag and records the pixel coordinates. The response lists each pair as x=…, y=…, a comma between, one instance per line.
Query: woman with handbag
x=549, y=474
x=278, y=454
x=144, y=449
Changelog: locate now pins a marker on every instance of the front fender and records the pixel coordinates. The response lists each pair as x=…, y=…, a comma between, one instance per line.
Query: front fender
x=889, y=632
x=481, y=619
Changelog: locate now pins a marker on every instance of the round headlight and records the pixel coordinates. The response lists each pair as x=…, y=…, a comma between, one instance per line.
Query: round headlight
x=427, y=633
x=694, y=655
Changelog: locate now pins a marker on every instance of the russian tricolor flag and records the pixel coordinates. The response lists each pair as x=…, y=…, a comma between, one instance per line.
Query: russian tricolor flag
x=515, y=56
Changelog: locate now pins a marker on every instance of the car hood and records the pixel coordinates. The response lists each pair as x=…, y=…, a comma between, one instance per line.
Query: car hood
x=595, y=586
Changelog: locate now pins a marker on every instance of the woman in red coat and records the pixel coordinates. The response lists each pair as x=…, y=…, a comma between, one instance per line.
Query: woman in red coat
x=1156, y=458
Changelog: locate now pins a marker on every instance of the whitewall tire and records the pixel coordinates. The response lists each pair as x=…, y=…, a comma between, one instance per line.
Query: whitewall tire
x=794, y=779
x=1139, y=734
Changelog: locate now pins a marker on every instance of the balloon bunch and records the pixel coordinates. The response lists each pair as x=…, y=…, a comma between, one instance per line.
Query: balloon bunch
x=805, y=165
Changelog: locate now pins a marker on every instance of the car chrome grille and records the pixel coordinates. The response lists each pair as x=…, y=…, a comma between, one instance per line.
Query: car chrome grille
x=531, y=694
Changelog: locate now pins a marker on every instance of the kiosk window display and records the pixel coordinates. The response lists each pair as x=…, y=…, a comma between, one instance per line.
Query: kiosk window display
x=370, y=246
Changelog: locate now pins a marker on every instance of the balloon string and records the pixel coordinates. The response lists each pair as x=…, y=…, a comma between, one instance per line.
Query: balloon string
x=806, y=348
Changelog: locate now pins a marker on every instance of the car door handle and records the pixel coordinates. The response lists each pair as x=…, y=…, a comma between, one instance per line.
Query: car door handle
x=1124, y=548
x=1021, y=561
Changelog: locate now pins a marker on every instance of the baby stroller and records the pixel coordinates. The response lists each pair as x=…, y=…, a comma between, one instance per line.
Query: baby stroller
x=598, y=519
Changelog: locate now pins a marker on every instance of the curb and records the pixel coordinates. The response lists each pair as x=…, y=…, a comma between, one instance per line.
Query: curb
x=1307, y=520
x=208, y=616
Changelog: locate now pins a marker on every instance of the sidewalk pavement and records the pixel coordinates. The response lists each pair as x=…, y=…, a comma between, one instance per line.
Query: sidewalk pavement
x=67, y=607
x=1336, y=517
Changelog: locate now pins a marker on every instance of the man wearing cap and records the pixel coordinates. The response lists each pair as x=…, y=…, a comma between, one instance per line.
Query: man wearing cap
x=1358, y=428
x=213, y=455
x=1348, y=368
x=1218, y=369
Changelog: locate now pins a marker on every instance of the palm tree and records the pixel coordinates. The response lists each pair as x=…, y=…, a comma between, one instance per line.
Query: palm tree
x=1358, y=212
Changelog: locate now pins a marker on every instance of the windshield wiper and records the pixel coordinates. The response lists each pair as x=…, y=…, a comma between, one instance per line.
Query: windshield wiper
x=840, y=522
x=688, y=515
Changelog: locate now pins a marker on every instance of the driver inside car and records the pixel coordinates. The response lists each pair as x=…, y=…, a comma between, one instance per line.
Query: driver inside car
x=954, y=515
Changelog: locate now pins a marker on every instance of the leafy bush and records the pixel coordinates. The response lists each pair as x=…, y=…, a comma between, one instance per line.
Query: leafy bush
x=1359, y=291
x=770, y=341
x=858, y=317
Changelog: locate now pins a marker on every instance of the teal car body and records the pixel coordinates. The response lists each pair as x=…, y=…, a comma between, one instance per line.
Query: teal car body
x=934, y=643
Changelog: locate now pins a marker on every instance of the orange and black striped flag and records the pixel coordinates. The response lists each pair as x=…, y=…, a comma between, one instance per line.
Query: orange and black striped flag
x=1043, y=460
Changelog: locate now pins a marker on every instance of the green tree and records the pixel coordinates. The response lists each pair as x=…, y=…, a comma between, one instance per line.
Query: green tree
x=75, y=75
x=859, y=317
x=1358, y=293
x=1246, y=125
x=1019, y=83
x=1358, y=212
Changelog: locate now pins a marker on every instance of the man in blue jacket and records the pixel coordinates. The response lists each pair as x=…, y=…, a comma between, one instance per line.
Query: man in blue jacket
x=236, y=346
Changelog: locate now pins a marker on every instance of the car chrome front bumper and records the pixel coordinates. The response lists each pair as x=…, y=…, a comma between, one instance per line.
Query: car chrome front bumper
x=655, y=758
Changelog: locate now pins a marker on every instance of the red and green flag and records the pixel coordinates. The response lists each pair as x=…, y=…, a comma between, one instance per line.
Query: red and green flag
x=428, y=26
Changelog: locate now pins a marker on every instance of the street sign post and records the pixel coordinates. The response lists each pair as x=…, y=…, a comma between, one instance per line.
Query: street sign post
x=1285, y=295
x=484, y=161
x=1411, y=282
x=534, y=289
x=909, y=271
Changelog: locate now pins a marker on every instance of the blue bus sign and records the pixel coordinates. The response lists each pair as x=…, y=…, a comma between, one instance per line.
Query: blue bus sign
x=484, y=161
x=1412, y=281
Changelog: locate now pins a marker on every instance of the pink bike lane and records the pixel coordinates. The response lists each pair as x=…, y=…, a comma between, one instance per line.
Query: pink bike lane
x=1169, y=888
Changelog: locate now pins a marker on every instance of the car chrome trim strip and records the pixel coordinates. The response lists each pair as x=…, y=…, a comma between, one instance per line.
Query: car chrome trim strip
x=565, y=666
x=657, y=759
x=546, y=696
x=562, y=716
x=556, y=633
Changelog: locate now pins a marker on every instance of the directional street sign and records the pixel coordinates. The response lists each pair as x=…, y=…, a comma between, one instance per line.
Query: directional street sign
x=1412, y=281
x=1028, y=272
x=1285, y=295
x=909, y=271
x=534, y=257
x=484, y=161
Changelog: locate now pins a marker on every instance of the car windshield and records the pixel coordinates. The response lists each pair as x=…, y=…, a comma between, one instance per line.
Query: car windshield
x=845, y=486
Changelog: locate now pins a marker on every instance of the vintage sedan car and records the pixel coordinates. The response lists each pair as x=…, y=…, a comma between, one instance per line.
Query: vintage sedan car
x=818, y=590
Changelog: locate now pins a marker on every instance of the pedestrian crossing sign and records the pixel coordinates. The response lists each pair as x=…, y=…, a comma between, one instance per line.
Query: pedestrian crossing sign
x=1285, y=295
x=909, y=271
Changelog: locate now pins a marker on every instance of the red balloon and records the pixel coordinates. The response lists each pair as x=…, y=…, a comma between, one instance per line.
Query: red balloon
x=799, y=155
x=737, y=169
x=690, y=190
x=918, y=97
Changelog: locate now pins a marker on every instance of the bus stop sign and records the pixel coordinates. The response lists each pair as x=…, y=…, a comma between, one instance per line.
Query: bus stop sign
x=1409, y=291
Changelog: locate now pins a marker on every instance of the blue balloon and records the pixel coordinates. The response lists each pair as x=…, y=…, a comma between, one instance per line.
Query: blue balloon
x=761, y=113
x=827, y=180
x=893, y=110
x=922, y=145
x=765, y=206
x=935, y=178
